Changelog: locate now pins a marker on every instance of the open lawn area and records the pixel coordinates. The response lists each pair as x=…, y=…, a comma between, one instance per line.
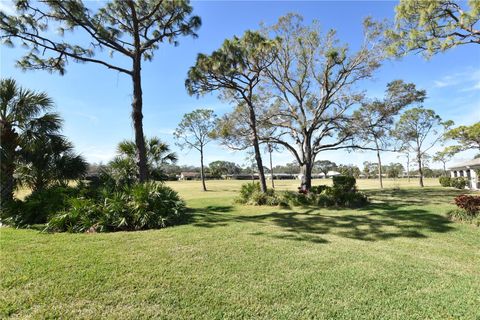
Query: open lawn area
x=398, y=258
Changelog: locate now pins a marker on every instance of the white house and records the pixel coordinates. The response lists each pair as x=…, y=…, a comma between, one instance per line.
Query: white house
x=470, y=171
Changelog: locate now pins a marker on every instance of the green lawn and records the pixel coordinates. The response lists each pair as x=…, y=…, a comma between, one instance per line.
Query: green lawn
x=399, y=258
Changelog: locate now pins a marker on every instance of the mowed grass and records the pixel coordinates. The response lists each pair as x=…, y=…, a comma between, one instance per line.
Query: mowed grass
x=398, y=258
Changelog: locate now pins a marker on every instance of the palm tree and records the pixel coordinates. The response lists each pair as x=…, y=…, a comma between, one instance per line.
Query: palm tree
x=23, y=119
x=124, y=164
x=49, y=160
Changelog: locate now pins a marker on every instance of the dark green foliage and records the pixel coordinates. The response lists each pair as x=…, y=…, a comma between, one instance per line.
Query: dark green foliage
x=247, y=190
x=81, y=216
x=445, y=181
x=137, y=207
x=251, y=193
x=319, y=189
x=25, y=118
x=122, y=170
x=39, y=206
x=342, y=194
x=344, y=183
x=458, y=183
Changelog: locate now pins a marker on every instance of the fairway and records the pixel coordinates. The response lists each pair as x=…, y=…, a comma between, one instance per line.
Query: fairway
x=397, y=260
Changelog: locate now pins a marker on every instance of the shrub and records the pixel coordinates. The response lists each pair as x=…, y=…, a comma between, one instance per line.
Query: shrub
x=39, y=206
x=353, y=200
x=471, y=204
x=458, y=183
x=344, y=183
x=81, y=216
x=445, y=181
x=329, y=197
x=251, y=194
x=461, y=215
x=247, y=190
x=319, y=189
x=342, y=194
x=136, y=207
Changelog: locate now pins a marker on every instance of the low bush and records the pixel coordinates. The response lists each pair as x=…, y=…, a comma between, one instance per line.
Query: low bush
x=445, y=181
x=458, y=183
x=461, y=215
x=136, y=207
x=251, y=194
x=342, y=194
x=344, y=184
x=37, y=207
x=81, y=216
x=469, y=203
x=319, y=189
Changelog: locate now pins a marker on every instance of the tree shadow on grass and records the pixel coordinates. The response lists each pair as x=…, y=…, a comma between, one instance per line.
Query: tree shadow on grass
x=373, y=226
x=209, y=216
x=400, y=217
x=417, y=196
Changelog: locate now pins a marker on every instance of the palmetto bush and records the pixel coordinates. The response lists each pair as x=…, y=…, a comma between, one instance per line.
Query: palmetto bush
x=137, y=207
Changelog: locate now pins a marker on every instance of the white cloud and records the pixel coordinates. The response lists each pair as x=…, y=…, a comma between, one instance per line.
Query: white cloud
x=469, y=79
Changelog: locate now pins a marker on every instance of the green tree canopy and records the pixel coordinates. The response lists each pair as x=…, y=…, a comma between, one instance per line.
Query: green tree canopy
x=218, y=168
x=324, y=166
x=419, y=130
x=432, y=26
x=49, y=160
x=123, y=168
x=131, y=29
x=374, y=120
x=25, y=117
x=194, y=131
x=466, y=137
x=235, y=70
x=312, y=86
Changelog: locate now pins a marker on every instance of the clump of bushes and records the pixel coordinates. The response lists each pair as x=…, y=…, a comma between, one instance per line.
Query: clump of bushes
x=343, y=193
x=458, y=182
x=469, y=203
x=98, y=206
x=468, y=209
x=445, y=181
x=136, y=207
x=39, y=206
x=251, y=194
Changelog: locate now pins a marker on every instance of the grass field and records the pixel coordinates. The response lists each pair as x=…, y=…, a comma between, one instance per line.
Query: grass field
x=398, y=258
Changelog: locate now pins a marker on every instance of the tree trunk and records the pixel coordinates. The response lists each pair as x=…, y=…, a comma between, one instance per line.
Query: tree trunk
x=420, y=169
x=306, y=171
x=137, y=118
x=202, y=171
x=380, y=178
x=256, y=147
x=408, y=167
x=271, y=166
x=7, y=165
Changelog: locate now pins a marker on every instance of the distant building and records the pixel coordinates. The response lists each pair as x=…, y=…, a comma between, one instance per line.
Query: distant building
x=281, y=176
x=468, y=170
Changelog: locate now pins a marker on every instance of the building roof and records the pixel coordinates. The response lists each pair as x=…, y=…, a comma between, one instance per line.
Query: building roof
x=467, y=164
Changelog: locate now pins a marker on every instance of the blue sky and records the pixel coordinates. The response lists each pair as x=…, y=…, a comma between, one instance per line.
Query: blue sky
x=95, y=102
